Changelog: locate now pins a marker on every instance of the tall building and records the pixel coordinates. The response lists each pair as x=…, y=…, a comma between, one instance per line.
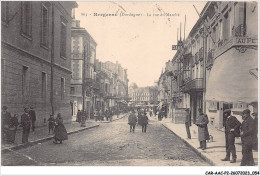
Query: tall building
x=84, y=87
x=217, y=62
x=36, y=49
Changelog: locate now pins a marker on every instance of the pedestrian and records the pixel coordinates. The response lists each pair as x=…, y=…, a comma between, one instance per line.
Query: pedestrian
x=202, y=123
x=151, y=113
x=247, y=134
x=33, y=117
x=187, y=123
x=232, y=126
x=144, y=122
x=6, y=117
x=255, y=138
x=60, y=132
x=26, y=124
x=132, y=121
x=160, y=115
x=139, y=117
x=110, y=114
x=83, y=119
x=106, y=114
x=51, y=124
x=78, y=116
x=12, y=129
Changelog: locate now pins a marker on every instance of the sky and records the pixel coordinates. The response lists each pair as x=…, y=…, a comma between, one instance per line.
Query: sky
x=141, y=43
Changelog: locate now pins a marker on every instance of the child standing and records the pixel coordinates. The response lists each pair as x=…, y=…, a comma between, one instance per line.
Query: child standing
x=51, y=123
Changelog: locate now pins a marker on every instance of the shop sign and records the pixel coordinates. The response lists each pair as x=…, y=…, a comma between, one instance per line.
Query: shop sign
x=245, y=41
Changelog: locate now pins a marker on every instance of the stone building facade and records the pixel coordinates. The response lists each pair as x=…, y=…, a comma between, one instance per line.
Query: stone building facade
x=36, y=38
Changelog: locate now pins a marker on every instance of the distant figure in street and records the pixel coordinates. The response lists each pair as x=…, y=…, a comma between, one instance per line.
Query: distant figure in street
x=139, y=117
x=6, y=117
x=60, y=132
x=160, y=114
x=106, y=114
x=151, y=113
x=187, y=123
x=202, y=123
x=232, y=126
x=51, y=124
x=78, y=116
x=33, y=117
x=12, y=129
x=132, y=121
x=144, y=122
x=247, y=134
x=26, y=124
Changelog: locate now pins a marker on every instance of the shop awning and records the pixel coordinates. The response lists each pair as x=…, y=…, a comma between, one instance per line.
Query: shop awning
x=230, y=79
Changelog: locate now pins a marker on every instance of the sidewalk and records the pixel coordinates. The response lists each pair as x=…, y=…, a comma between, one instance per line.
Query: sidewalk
x=215, y=151
x=41, y=135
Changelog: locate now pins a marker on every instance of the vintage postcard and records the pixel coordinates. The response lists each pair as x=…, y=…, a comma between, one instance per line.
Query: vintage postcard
x=129, y=83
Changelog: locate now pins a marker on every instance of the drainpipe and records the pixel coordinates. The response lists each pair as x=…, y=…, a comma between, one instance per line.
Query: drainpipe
x=52, y=59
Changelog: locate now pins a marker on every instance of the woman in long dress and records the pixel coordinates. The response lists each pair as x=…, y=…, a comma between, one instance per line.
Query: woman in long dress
x=60, y=132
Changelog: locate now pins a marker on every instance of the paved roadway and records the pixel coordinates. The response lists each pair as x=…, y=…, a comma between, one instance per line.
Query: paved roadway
x=111, y=144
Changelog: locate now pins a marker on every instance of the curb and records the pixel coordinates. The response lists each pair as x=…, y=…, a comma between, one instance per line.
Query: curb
x=203, y=156
x=31, y=143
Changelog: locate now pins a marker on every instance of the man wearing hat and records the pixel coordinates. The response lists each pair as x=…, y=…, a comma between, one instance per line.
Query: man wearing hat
x=202, y=123
x=187, y=123
x=232, y=126
x=132, y=121
x=26, y=124
x=247, y=134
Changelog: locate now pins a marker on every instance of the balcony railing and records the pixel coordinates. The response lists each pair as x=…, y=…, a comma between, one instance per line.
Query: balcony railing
x=201, y=54
x=193, y=85
x=240, y=31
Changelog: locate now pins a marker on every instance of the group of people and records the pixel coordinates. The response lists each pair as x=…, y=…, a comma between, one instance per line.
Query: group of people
x=233, y=128
x=10, y=124
x=28, y=118
x=141, y=118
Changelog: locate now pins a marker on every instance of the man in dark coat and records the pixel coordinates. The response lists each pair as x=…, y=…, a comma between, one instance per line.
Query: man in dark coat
x=6, y=117
x=26, y=124
x=232, y=126
x=187, y=123
x=33, y=117
x=247, y=134
x=78, y=119
x=202, y=123
x=144, y=122
x=12, y=129
x=132, y=121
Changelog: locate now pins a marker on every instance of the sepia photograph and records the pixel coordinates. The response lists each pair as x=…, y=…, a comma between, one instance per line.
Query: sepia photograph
x=171, y=84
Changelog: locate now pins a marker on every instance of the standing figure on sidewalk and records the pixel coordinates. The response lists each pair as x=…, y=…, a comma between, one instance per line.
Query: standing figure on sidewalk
x=247, y=134
x=144, y=122
x=132, y=121
x=151, y=113
x=6, y=117
x=33, y=117
x=60, y=132
x=51, y=124
x=12, y=128
x=202, y=123
x=255, y=139
x=232, y=126
x=78, y=116
x=26, y=124
x=160, y=115
x=83, y=119
x=187, y=123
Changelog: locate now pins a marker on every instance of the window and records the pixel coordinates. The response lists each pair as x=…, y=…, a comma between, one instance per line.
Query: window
x=4, y=11
x=27, y=19
x=72, y=91
x=44, y=27
x=63, y=37
x=62, y=87
x=44, y=85
x=25, y=80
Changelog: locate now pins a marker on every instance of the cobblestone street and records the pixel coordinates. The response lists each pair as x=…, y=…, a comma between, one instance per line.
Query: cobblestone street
x=111, y=144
